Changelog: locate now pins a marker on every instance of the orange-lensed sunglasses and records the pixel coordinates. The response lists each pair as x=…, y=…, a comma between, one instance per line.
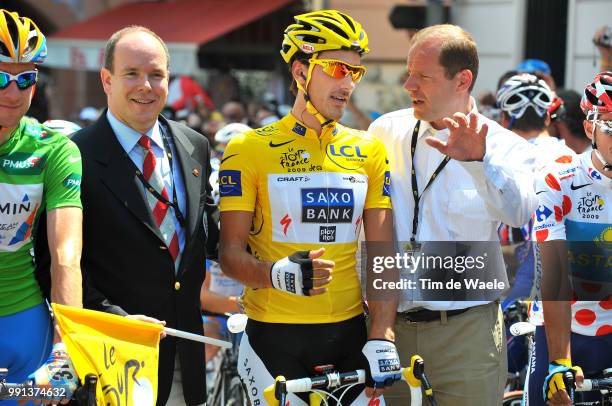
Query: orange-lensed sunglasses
x=338, y=69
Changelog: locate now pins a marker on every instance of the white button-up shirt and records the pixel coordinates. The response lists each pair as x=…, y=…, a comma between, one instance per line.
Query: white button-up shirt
x=468, y=200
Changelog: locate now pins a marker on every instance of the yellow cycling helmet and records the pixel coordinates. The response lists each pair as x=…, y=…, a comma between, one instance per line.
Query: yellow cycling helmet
x=324, y=30
x=20, y=39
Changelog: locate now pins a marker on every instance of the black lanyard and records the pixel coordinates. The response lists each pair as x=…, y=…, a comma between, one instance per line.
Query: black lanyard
x=415, y=188
x=147, y=185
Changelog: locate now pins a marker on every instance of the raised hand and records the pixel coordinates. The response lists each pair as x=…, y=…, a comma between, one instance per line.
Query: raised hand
x=466, y=141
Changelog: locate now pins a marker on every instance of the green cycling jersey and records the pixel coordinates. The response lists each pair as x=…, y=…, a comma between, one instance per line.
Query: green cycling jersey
x=39, y=170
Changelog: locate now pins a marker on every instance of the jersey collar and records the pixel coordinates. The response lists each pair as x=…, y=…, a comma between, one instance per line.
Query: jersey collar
x=295, y=127
x=14, y=136
x=593, y=173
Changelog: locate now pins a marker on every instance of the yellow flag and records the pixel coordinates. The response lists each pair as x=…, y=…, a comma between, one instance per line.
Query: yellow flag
x=123, y=353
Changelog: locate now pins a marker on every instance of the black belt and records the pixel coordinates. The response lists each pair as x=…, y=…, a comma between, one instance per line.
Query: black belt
x=428, y=315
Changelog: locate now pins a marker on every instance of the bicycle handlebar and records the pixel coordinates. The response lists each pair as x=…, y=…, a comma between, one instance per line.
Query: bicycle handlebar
x=588, y=385
x=595, y=385
x=570, y=384
x=414, y=376
x=522, y=328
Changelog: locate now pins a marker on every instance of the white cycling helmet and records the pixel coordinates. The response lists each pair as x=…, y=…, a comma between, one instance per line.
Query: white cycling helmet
x=522, y=91
x=214, y=183
x=225, y=134
x=62, y=126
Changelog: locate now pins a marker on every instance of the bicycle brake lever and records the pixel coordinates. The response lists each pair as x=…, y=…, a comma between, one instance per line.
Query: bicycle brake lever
x=418, y=369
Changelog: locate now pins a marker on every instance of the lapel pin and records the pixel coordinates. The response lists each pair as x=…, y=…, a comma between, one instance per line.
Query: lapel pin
x=196, y=173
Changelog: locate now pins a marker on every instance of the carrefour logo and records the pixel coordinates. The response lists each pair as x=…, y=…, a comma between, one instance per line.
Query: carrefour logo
x=327, y=205
x=22, y=163
x=542, y=213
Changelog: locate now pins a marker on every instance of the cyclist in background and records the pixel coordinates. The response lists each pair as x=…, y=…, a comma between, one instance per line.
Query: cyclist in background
x=524, y=101
x=40, y=170
x=293, y=197
x=219, y=294
x=222, y=138
x=567, y=122
x=225, y=134
x=573, y=224
x=540, y=68
x=62, y=126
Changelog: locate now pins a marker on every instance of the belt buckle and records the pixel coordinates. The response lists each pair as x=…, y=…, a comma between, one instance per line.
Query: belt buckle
x=406, y=319
x=406, y=314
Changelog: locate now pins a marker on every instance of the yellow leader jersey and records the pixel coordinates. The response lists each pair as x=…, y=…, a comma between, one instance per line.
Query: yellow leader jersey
x=305, y=191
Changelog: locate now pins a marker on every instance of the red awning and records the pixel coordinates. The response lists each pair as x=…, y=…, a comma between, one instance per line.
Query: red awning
x=191, y=21
x=182, y=24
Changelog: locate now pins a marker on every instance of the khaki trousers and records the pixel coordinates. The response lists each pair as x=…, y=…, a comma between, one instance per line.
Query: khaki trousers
x=465, y=357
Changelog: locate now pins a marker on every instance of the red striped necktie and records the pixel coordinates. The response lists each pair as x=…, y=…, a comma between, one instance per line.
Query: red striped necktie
x=162, y=213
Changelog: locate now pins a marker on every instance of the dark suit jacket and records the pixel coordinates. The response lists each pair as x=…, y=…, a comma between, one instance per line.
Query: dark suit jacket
x=126, y=266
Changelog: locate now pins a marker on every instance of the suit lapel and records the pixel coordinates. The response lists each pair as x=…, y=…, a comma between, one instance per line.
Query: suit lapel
x=191, y=170
x=118, y=173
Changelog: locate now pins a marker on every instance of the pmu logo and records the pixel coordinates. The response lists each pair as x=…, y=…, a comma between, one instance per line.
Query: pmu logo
x=22, y=163
x=230, y=183
x=27, y=163
x=73, y=181
x=327, y=205
x=347, y=151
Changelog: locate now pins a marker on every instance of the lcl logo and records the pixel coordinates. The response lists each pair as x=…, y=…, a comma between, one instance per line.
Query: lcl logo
x=347, y=151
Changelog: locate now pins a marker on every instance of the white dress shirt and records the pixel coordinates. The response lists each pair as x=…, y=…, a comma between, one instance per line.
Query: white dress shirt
x=468, y=200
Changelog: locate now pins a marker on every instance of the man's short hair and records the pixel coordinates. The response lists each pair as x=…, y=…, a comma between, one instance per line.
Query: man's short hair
x=503, y=78
x=457, y=51
x=573, y=113
x=529, y=121
x=111, y=44
x=303, y=58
